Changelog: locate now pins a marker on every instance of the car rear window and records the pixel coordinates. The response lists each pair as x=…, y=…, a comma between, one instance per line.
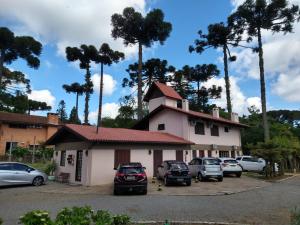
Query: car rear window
x=6, y=166
x=178, y=166
x=131, y=170
x=211, y=162
x=230, y=161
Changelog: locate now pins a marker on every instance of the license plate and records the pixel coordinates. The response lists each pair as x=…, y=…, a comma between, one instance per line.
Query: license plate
x=180, y=180
x=130, y=178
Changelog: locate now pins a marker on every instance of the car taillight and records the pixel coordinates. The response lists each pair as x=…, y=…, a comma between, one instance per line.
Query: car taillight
x=120, y=174
x=141, y=176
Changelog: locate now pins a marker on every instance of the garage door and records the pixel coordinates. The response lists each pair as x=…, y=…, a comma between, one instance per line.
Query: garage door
x=157, y=160
x=122, y=157
x=179, y=155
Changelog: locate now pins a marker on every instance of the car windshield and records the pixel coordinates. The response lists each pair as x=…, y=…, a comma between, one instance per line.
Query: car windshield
x=131, y=170
x=211, y=162
x=230, y=161
x=178, y=166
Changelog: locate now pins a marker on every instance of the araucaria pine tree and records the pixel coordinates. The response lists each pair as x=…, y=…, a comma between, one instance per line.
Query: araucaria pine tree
x=252, y=18
x=133, y=28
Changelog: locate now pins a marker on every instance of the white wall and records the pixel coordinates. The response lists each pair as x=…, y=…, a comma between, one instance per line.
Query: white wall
x=142, y=155
x=156, y=102
x=169, y=154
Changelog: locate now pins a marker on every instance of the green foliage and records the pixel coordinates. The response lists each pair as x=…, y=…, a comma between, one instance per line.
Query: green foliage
x=73, y=118
x=50, y=169
x=36, y=217
x=74, y=216
x=295, y=217
x=1, y=221
x=19, y=152
x=61, y=111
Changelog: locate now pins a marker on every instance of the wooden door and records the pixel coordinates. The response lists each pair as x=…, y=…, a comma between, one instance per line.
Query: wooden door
x=122, y=156
x=201, y=153
x=179, y=155
x=78, y=170
x=233, y=154
x=209, y=153
x=157, y=160
x=194, y=154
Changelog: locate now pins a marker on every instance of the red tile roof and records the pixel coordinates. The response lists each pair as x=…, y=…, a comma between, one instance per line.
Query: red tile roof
x=22, y=118
x=164, y=89
x=189, y=113
x=122, y=135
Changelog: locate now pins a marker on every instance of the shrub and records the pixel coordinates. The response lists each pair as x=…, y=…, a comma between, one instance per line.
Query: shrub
x=295, y=217
x=1, y=221
x=121, y=220
x=36, y=217
x=74, y=216
x=102, y=217
x=19, y=152
x=50, y=168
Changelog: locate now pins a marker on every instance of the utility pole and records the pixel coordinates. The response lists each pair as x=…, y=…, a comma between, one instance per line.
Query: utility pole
x=33, y=151
x=10, y=148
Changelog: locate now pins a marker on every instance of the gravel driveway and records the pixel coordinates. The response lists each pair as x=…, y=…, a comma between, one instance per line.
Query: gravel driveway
x=270, y=204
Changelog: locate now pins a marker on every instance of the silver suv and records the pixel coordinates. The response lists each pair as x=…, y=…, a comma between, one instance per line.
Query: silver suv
x=14, y=173
x=205, y=168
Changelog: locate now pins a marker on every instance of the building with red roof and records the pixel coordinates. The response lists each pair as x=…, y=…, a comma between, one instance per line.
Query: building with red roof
x=171, y=131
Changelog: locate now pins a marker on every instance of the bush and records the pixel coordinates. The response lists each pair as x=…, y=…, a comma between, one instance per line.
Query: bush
x=19, y=152
x=36, y=217
x=295, y=217
x=74, y=216
x=50, y=168
x=1, y=221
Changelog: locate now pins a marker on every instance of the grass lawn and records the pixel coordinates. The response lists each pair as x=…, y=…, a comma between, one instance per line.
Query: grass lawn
x=263, y=177
x=40, y=166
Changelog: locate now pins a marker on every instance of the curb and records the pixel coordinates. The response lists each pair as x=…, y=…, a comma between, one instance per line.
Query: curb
x=287, y=178
x=184, y=223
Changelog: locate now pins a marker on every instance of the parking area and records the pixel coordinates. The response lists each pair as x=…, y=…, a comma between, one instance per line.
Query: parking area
x=230, y=185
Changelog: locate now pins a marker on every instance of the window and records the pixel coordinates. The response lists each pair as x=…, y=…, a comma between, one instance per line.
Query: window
x=226, y=129
x=7, y=147
x=161, y=126
x=238, y=158
x=179, y=104
x=199, y=128
x=214, y=130
x=20, y=126
x=62, y=158
x=5, y=166
x=20, y=167
x=209, y=153
x=224, y=154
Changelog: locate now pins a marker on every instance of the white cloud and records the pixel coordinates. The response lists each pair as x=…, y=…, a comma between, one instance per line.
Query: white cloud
x=42, y=96
x=109, y=84
x=108, y=110
x=281, y=60
x=239, y=101
x=67, y=22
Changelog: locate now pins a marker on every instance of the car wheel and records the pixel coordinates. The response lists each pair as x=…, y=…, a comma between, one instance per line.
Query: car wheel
x=200, y=177
x=166, y=182
x=220, y=179
x=239, y=174
x=188, y=183
x=38, y=181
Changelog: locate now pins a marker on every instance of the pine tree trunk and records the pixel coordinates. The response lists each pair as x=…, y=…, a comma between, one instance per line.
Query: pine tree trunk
x=198, y=93
x=227, y=81
x=100, y=99
x=87, y=96
x=140, y=104
x=263, y=88
x=77, y=96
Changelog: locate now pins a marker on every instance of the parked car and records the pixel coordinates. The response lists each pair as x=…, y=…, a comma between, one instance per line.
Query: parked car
x=172, y=171
x=206, y=168
x=231, y=166
x=130, y=177
x=249, y=163
x=14, y=173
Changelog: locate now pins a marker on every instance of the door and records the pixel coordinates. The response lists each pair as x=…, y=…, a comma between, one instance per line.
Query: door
x=78, y=171
x=122, y=156
x=179, y=155
x=22, y=174
x=194, y=154
x=157, y=160
x=6, y=174
x=201, y=153
x=233, y=154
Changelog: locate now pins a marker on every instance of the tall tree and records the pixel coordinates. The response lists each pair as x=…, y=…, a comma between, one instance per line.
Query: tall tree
x=13, y=47
x=37, y=106
x=105, y=56
x=77, y=89
x=152, y=70
x=254, y=16
x=219, y=36
x=85, y=55
x=199, y=74
x=73, y=118
x=61, y=111
x=133, y=28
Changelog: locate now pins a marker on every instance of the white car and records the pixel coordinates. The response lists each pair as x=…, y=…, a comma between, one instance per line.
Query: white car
x=231, y=166
x=249, y=163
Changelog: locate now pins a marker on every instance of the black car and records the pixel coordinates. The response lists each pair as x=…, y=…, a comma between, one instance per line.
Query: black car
x=172, y=171
x=130, y=177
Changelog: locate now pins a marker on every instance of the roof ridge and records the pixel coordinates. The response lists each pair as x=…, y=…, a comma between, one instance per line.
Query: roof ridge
x=23, y=114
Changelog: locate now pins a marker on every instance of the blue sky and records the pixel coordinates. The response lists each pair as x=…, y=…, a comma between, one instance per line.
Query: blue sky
x=60, y=23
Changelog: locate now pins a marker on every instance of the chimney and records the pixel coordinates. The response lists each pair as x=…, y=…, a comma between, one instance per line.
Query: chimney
x=52, y=118
x=215, y=112
x=185, y=105
x=235, y=117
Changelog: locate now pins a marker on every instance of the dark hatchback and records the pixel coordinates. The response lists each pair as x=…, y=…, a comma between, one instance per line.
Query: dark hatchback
x=172, y=171
x=130, y=178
